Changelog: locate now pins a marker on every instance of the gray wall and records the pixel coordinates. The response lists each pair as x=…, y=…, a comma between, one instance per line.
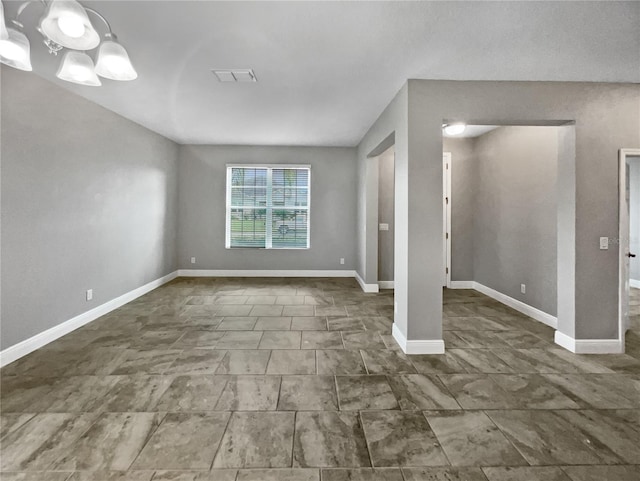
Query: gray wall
x=385, y=214
x=606, y=118
x=201, y=228
x=514, y=221
x=463, y=188
x=504, y=212
x=88, y=201
x=634, y=216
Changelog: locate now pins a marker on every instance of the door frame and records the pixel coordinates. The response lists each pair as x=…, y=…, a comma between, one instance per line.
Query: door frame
x=446, y=216
x=623, y=236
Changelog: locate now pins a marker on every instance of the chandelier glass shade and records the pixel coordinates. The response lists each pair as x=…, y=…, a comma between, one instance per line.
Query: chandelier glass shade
x=113, y=62
x=66, y=25
x=15, y=50
x=77, y=67
x=4, y=34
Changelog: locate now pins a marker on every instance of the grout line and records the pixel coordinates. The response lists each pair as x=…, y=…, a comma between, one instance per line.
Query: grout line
x=364, y=362
x=315, y=361
x=279, y=394
x=444, y=385
x=440, y=445
x=293, y=437
x=226, y=426
x=507, y=437
x=266, y=366
x=150, y=435
x=366, y=440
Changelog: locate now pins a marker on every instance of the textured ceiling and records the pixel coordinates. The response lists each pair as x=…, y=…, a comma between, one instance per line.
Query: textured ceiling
x=326, y=70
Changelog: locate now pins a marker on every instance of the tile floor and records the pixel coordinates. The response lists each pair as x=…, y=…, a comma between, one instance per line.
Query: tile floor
x=300, y=380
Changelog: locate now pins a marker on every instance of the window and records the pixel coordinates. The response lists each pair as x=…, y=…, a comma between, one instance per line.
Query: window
x=268, y=206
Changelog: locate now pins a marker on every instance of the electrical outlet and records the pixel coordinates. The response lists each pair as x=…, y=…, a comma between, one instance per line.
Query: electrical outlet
x=523, y=288
x=89, y=294
x=342, y=260
x=193, y=260
x=604, y=243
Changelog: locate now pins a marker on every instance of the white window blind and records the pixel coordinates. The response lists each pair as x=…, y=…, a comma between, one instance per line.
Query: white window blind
x=268, y=206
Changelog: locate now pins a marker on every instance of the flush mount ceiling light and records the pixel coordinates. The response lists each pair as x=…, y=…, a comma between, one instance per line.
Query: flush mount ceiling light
x=454, y=129
x=66, y=24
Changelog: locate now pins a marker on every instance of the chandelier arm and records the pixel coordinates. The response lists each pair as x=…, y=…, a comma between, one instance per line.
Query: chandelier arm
x=26, y=4
x=100, y=16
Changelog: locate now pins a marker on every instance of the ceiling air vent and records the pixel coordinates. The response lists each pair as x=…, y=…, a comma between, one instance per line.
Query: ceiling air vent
x=235, y=75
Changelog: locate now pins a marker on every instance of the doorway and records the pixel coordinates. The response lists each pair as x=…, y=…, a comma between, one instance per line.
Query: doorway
x=629, y=237
x=386, y=218
x=446, y=218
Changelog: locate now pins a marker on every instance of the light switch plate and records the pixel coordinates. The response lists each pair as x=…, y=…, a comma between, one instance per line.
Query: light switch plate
x=604, y=243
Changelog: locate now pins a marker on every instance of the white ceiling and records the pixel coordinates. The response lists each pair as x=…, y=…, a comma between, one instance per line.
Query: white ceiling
x=326, y=70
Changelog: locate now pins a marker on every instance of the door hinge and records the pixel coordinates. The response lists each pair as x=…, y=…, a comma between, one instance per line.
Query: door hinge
x=447, y=270
x=447, y=200
x=447, y=235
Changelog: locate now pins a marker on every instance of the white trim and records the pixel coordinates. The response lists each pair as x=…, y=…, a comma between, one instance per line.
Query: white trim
x=271, y=166
x=426, y=346
x=27, y=346
x=227, y=210
x=623, y=249
x=385, y=284
x=589, y=346
x=519, y=306
x=369, y=288
x=634, y=283
x=263, y=273
x=462, y=285
x=446, y=206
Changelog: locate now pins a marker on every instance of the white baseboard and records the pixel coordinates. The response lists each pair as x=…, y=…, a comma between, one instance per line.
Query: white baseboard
x=589, y=346
x=461, y=285
x=426, y=346
x=369, y=288
x=27, y=346
x=634, y=283
x=385, y=284
x=263, y=273
x=519, y=306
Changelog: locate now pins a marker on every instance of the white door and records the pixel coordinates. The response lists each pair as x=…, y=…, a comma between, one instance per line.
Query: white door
x=624, y=246
x=446, y=219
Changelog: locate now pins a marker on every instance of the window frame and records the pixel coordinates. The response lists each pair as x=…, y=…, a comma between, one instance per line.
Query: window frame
x=269, y=208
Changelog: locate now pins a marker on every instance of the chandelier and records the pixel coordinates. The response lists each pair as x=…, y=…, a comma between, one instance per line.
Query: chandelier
x=66, y=25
